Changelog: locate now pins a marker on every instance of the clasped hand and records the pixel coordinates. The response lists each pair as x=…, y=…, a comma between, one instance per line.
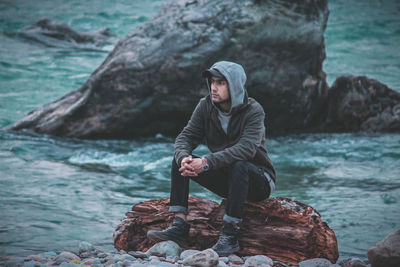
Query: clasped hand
x=191, y=166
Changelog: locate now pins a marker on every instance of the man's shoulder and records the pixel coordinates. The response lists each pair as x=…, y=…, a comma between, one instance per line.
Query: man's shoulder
x=254, y=106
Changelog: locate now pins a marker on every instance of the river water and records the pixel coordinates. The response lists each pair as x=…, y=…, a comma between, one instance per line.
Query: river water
x=56, y=192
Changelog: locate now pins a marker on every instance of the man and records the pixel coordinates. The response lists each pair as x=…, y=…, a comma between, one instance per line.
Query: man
x=238, y=167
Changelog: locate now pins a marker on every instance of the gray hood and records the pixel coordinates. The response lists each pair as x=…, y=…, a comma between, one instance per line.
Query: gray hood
x=236, y=77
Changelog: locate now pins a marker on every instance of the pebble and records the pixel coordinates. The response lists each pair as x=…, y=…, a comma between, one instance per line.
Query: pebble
x=48, y=254
x=33, y=264
x=38, y=258
x=168, y=248
x=317, y=262
x=352, y=262
x=188, y=252
x=204, y=258
x=224, y=259
x=258, y=261
x=138, y=254
x=235, y=259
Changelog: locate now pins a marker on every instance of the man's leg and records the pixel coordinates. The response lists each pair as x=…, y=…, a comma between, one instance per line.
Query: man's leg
x=216, y=181
x=246, y=181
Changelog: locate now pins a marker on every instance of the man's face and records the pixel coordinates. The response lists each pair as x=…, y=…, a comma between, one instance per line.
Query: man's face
x=219, y=90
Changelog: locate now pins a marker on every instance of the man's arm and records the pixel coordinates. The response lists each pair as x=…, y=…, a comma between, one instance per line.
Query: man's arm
x=192, y=135
x=245, y=149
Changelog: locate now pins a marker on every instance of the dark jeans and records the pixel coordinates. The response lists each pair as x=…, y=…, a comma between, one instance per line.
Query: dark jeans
x=239, y=182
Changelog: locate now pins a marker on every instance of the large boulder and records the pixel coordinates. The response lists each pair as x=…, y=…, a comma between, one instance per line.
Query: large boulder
x=151, y=82
x=280, y=228
x=387, y=252
x=357, y=103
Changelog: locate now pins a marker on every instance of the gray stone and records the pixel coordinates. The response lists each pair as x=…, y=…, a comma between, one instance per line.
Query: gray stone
x=188, y=252
x=352, y=262
x=38, y=258
x=32, y=264
x=224, y=259
x=86, y=247
x=167, y=248
x=386, y=253
x=92, y=260
x=222, y=264
x=138, y=254
x=102, y=255
x=258, y=261
x=205, y=258
x=70, y=264
x=235, y=259
x=166, y=264
x=317, y=262
x=65, y=256
x=135, y=264
x=48, y=254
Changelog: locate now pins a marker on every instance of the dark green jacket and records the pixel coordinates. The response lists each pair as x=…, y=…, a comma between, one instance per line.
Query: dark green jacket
x=245, y=138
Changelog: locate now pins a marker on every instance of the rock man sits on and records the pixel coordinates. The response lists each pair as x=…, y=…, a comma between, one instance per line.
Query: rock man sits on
x=238, y=167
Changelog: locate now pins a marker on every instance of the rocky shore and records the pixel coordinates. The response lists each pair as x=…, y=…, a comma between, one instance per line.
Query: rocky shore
x=168, y=254
x=164, y=254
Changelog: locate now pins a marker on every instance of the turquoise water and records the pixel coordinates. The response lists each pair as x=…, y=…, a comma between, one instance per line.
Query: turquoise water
x=56, y=192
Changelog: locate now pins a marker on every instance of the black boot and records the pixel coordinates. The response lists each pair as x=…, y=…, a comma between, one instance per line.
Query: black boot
x=178, y=232
x=228, y=240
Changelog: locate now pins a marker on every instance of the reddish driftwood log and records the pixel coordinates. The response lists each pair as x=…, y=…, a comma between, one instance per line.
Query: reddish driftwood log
x=281, y=228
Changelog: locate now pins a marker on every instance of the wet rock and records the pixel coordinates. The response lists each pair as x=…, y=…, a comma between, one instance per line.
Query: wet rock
x=156, y=69
x=352, y=262
x=386, y=253
x=138, y=254
x=224, y=259
x=86, y=250
x=70, y=264
x=222, y=264
x=234, y=259
x=31, y=264
x=48, y=254
x=317, y=262
x=167, y=248
x=102, y=255
x=258, y=261
x=65, y=256
x=53, y=33
x=282, y=228
x=188, y=253
x=38, y=258
x=358, y=103
x=205, y=258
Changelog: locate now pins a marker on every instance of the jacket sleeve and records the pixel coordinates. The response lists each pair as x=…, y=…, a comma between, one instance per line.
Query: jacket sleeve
x=245, y=149
x=192, y=135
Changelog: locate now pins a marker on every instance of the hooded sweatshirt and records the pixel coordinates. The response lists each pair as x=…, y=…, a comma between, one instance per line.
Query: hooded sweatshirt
x=236, y=78
x=244, y=137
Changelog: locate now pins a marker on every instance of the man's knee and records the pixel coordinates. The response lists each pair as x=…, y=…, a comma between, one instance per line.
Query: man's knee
x=240, y=170
x=240, y=165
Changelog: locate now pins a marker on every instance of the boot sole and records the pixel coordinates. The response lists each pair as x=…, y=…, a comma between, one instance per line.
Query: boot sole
x=161, y=237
